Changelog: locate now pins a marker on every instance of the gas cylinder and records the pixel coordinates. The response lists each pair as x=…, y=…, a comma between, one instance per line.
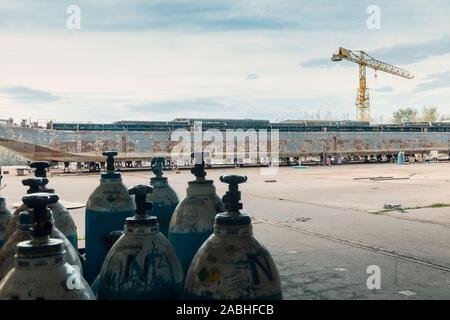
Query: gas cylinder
x=107, y=208
x=5, y=216
x=34, y=186
x=23, y=233
x=142, y=264
x=232, y=264
x=193, y=219
x=63, y=219
x=163, y=198
x=40, y=268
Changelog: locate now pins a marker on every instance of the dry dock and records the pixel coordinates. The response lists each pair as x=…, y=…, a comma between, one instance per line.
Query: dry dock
x=324, y=227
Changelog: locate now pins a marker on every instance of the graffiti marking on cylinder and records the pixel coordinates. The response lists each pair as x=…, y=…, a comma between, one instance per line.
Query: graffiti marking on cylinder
x=254, y=261
x=214, y=275
x=203, y=274
x=160, y=261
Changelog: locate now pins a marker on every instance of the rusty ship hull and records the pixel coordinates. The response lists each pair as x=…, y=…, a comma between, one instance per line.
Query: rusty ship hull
x=294, y=140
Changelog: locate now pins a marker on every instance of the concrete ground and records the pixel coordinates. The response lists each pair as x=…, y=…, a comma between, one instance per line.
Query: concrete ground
x=324, y=228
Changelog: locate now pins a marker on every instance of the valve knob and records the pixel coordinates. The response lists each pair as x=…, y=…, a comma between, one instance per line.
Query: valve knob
x=42, y=226
x=157, y=166
x=140, y=195
x=110, y=160
x=199, y=166
x=34, y=184
x=41, y=168
x=233, y=196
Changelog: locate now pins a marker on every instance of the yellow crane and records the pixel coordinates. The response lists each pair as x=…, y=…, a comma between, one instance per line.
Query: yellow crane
x=364, y=60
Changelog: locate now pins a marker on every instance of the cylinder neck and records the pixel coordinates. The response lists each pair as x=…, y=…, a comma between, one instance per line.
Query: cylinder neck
x=233, y=223
x=141, y=225
x=44, y=251
x=159, y=182
x=110, y=177
x=206, y=188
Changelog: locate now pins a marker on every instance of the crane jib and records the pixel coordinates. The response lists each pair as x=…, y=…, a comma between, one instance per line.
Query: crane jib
x=364, y=60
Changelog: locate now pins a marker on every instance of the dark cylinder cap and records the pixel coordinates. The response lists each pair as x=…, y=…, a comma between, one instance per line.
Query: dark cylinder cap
x=199, y=166
x=157, y=166
x=140, y=195
x=233, y=196
x=110, y=160
x=41, y=168
x=42, y=226
x=34, y=184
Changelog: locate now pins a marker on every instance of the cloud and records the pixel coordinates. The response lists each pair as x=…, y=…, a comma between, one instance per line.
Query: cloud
x=318, y=63
x=413, y=52
x=139, y=15
x=401, y=54
x=188, y=105
x=252, y=76
x=385, y=89
x=29, y=95
x=435, y=81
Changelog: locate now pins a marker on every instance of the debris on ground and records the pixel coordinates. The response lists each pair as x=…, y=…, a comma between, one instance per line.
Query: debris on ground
x=301, y=219
x=270, y=181
x=372, y=178
x=392, y=207
x=408, y=293
x=381, y=178
x=300, y=167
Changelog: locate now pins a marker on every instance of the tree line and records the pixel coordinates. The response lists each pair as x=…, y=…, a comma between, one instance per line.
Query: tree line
x=427, y=114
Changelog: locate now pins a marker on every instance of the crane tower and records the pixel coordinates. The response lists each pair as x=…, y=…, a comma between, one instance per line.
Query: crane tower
x=364, y=60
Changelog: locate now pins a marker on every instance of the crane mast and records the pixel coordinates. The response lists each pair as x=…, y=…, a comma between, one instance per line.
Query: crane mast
x=364, y=61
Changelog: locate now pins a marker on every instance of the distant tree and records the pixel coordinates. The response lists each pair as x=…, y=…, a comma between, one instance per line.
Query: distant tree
x=429, y=114
x=405, y=115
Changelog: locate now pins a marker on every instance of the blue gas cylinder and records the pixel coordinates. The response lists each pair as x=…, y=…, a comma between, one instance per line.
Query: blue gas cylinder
x=163, y=198
x=63, y=219
x=106, y=210
x=23, y=233
x=193, y=219
x=40, y=269
x=142, y=264
x=232, y=264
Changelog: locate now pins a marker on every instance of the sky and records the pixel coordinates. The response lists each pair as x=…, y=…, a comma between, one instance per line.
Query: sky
x=259, y=59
